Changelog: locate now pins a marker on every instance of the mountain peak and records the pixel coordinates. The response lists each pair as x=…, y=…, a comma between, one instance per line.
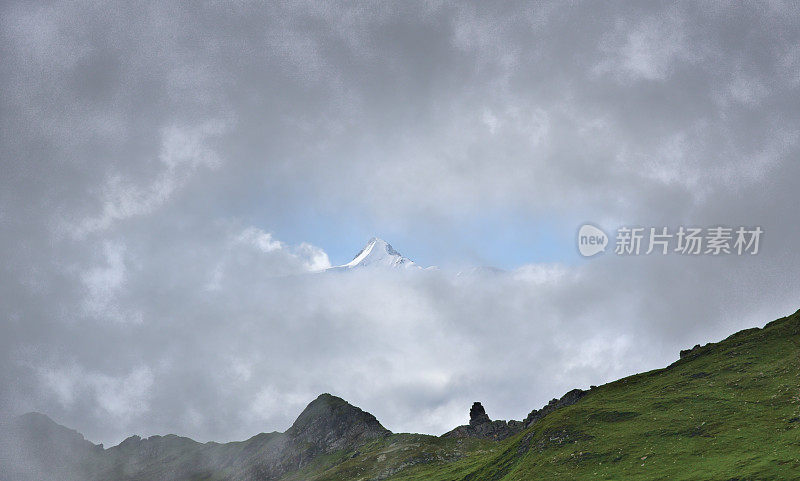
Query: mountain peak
x=39, y=426
x=378, y=252
x=34, y=442
x=331, y=423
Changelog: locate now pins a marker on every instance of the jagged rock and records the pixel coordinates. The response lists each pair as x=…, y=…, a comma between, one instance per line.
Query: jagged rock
x=567, y=399
x=481, y=426
x=686, y=352
x=477, y=415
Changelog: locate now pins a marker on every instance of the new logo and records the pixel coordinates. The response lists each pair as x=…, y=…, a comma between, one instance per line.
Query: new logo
x=591, y=240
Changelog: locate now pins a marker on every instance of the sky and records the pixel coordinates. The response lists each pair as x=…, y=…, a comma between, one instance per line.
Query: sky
x=176, y=177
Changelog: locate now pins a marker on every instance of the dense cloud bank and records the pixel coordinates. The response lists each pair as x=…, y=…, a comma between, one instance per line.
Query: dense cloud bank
x=149, y=151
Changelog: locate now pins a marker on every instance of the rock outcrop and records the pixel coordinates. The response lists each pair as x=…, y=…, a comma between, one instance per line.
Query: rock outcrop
x=477, y=415
x=567, y=399
x=481, y=426
x=688, y=352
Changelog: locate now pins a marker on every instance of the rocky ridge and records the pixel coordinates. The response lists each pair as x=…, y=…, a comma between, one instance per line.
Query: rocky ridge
x=481, y=426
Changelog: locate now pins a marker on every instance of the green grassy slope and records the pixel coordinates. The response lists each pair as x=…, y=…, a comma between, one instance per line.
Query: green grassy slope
x=727, y=411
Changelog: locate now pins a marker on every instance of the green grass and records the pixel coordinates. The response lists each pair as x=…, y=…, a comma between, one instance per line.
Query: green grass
x=729, y=411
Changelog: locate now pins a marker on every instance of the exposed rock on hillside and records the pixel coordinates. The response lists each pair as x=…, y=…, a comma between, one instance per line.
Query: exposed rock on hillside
x=481, y=426
x=477, y=415
x=567, y=399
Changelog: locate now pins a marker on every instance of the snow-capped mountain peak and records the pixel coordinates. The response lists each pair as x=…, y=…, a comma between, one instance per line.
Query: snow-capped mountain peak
x=378, y=252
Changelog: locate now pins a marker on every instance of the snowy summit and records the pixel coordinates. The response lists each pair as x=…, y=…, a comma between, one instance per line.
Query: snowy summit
x=378, y=252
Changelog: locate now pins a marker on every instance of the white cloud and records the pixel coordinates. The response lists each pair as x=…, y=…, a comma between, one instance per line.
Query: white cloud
x=181, y=154
x=183, y=151
x=260, y=239
x=122, y=398
x=104, y=282
x=649, y=50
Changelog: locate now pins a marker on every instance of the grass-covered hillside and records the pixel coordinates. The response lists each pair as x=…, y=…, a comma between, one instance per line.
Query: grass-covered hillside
x=725, y=411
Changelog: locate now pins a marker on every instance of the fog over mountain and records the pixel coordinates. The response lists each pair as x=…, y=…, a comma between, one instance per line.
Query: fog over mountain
x=177, y=180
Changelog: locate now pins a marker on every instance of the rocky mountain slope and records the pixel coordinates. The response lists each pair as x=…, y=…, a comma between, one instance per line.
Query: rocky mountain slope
x=36, y=447
x=723, y=411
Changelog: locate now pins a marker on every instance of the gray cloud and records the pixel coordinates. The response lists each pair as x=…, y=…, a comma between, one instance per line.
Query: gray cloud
x=148, y=152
